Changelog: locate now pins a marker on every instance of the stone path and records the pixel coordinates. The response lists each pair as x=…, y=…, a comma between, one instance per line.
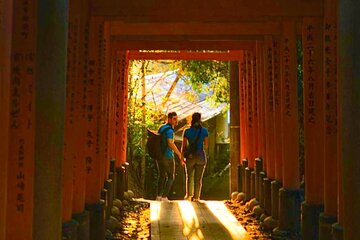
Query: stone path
x=194, y=220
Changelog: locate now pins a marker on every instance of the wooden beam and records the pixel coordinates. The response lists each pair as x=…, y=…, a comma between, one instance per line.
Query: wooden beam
x=210, y=10
x=182, y=45
x=185, y=55
x=119, y=28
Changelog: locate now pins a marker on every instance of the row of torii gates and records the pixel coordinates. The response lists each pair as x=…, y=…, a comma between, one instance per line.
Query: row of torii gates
x=63, y=72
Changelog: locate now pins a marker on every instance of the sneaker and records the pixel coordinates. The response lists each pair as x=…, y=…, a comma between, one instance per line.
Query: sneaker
x=165, y=199
x=158, y=198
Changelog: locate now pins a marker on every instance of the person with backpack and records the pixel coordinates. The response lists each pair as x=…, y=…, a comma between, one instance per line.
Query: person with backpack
x=195, y=139
x=166, y=162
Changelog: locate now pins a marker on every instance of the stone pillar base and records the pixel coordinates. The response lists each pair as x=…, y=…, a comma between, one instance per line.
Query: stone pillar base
x=69, y=230
x=325, y=226
x=289, y=211
x=262, y=191
x=247, y=184
x=83, y=230
x=310, y=220
x=239, y=179
x=275, y=188
x=253, y=184
x=337, y=231
x=267, y=196
x=97, y=220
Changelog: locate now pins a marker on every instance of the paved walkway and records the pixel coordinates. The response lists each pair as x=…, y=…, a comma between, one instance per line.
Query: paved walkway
x=194, y=220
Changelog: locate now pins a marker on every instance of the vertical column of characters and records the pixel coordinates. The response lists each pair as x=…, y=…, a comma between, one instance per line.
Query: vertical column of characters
x=313, y=110
x=100, y=96
x=260, y=90
x=106, y=98
x=255, y=104
x=70, y=135
x=250, y=127
x=22, y=122
x=124, y=88
x=119, y=95
x=79, y=165
x=331, y=160
x=269, y=106
x=289, y=107
x=6, y=12
x=93, y=166
x=242, y=86
x=278, y=126
x=113, y=103
x=105, y=102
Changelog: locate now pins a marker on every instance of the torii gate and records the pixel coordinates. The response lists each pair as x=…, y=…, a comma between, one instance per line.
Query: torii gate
x=36, y=120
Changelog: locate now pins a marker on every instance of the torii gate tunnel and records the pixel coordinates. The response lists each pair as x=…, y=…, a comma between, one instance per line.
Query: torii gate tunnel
x=63, y=106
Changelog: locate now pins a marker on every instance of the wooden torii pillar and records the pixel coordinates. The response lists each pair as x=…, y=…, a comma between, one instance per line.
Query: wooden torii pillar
x=289, y=197
x=349, y=89
x=269, y=121
x=313, y=126
x=32, y=113
x=333, y=211
x=6, y=18
x=21, y=79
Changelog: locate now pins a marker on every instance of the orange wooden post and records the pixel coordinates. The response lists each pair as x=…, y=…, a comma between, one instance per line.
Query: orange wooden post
x=70, y=138
x=79, y=164
x=313, y=126
x=93, y=160
x=250, y=117
x=105, y=101
x=289, y=204
x=261, y=88
x=121, y=106
x=124, y=92
x=20, y=194
x=269, y=107
x=234, y=127
x=331, y=120
x=6, y=12
x=243, y=126
x=278, y=125
x=255, y=104
x=269, y=110
x=258, y=87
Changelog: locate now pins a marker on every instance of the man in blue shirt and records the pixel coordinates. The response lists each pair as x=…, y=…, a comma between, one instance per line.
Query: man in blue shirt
x=195, y=162
x=167, y=163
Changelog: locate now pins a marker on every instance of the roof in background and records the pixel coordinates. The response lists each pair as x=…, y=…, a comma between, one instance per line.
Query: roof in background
x=157, y=87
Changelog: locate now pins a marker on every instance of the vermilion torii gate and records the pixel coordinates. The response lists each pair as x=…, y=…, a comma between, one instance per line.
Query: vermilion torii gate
x=63, y=106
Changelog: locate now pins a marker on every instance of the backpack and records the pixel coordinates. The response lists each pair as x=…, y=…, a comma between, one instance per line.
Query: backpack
x=154, y=145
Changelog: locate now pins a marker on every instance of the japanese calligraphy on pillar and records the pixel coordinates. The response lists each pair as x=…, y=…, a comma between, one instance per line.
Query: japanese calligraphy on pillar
x=242, y=85
x=330, y=71
x=270, y=73
x=286, y=75
x=249, y=90
x=22, y=115
x=309, y=67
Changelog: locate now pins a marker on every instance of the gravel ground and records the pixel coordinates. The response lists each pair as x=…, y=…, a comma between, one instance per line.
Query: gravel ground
x=135, y=222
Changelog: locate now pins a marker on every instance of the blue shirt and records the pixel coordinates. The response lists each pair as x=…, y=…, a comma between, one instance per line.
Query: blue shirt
x=191, y=134
x=169, y=134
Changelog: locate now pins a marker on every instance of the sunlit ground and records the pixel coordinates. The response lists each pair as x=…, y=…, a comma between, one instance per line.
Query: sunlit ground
x=191, y=228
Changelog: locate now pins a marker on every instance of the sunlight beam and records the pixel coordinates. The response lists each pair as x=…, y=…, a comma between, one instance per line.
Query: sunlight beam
x=190, y=220
x=155, y=210
x=222, y=213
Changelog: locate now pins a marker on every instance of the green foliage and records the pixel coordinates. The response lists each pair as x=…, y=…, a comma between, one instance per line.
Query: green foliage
x=209, y=76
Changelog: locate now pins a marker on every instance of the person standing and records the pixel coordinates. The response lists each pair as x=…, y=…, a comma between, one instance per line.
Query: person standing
x=167, y=162
x=195, y=163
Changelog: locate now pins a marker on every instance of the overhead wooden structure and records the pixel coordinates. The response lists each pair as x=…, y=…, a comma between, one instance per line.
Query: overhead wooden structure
x=55, y=158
